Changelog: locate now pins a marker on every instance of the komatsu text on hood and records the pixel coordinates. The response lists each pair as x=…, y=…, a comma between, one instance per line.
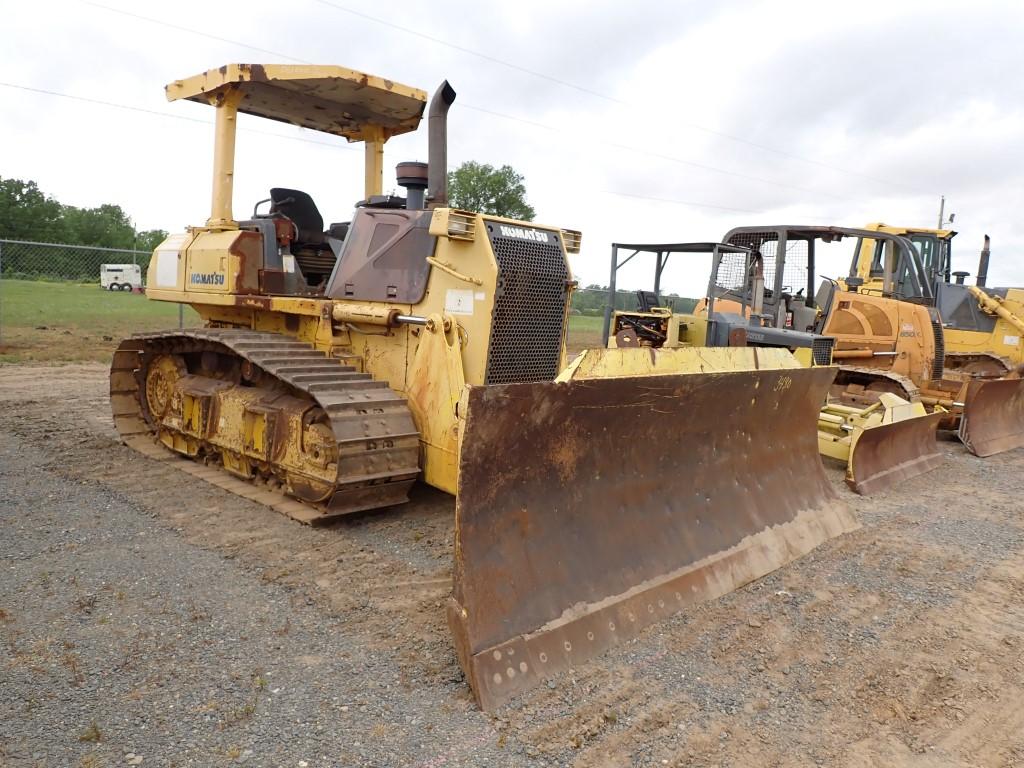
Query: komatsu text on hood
x=525, y=234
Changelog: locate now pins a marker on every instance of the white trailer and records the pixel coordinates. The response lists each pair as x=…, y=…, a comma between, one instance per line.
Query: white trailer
x=120, y=277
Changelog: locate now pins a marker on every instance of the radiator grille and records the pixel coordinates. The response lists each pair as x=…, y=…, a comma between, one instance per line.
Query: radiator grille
x=821, y=350
x=940, y=351
x=529, y=309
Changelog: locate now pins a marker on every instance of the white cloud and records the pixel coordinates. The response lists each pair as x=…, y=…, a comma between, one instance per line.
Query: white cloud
x=896, y=102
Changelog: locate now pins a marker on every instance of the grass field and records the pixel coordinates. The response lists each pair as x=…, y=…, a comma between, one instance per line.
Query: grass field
x=584, y=332
x=56, y=322
x=73, y=322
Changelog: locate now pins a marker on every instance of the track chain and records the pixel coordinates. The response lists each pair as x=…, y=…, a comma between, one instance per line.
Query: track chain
x=372, y=424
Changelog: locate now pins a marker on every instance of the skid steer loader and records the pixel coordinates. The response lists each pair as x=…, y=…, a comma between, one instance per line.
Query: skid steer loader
x=881, y=443
x=338, y=363
x=983, y=326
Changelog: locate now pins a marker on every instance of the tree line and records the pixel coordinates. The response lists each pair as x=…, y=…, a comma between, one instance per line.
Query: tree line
x=28, y=213
x=592, y=300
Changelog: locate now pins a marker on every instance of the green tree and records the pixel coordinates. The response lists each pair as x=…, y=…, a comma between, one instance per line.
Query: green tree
x=483, y=188
x=149, y=239
x=107, y=226
x=28, y=214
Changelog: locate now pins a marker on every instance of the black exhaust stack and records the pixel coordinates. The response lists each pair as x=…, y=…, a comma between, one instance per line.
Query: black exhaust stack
x=983, y=265
x=437, y=146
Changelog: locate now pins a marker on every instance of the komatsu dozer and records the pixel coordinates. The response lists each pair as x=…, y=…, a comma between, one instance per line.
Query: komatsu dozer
x=885, y=343
x=983, y=326
x=881, y=442
x=339, y=363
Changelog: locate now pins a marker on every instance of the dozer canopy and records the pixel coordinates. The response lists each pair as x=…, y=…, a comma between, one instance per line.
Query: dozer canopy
x=331, y=99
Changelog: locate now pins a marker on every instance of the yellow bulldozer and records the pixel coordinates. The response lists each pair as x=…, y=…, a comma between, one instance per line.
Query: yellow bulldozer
x=762, y=293
x=977, y=330
x=882, y=438
x=983, y=326
x=339, y=363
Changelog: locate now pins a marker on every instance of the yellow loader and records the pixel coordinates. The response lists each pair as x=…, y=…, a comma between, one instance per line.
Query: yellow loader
x=981, y=328
x=984, y=326
x=882, y=440
x=339, y=363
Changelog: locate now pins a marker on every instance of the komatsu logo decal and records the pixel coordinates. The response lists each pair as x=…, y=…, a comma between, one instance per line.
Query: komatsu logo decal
x=525, y=234
x=207, y=278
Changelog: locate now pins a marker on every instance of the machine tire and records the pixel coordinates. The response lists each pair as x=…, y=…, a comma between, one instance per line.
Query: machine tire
x=113, y=287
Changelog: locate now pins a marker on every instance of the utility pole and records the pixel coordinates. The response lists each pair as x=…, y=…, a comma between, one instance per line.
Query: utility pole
x=943, y=221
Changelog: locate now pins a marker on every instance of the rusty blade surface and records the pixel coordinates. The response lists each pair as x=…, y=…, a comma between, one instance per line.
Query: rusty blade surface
x=589, y=509
x=888, y=454
x=993, y=419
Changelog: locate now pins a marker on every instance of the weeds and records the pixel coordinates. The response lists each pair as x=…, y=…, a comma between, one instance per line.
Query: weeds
x=239, y=715
x=70, y=661
x=85, y=603
x=91, y=734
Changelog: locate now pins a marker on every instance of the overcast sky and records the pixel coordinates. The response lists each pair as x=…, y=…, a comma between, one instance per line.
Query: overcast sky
x=640, y=121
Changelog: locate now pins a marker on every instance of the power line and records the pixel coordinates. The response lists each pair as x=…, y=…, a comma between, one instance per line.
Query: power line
x=207, y=35
x=153, y=112
x=598, y=94
x=471, y=52
x=689, y=203
x=663, y=156
x=502, y=115
x=678, y=202
x=143, y=110
x=102, y=103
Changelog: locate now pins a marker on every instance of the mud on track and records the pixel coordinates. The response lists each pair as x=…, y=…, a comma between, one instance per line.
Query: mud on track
x=901, y=644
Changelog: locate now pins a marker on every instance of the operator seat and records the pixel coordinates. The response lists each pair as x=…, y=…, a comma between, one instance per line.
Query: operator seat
x=300, y=208
x=647, y=299
x=823, y=299
x=312, y=251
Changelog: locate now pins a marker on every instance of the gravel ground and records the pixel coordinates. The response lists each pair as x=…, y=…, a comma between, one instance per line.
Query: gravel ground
x=147, y=618
x=123, y=641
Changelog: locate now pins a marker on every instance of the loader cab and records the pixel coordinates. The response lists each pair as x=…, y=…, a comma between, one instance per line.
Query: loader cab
x=934, y=248
x=901, y=266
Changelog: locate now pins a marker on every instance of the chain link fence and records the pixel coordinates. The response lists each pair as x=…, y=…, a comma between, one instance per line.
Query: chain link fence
x=592, y=301
x=28, y=260
x=55, y=303
x=74, y=302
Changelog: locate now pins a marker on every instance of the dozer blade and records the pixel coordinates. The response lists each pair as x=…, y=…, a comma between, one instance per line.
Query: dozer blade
x=993, y=416
x=885, y=455
x=591, y=508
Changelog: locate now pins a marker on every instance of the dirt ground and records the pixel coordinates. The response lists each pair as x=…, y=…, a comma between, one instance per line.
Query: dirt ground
x=901, y=644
